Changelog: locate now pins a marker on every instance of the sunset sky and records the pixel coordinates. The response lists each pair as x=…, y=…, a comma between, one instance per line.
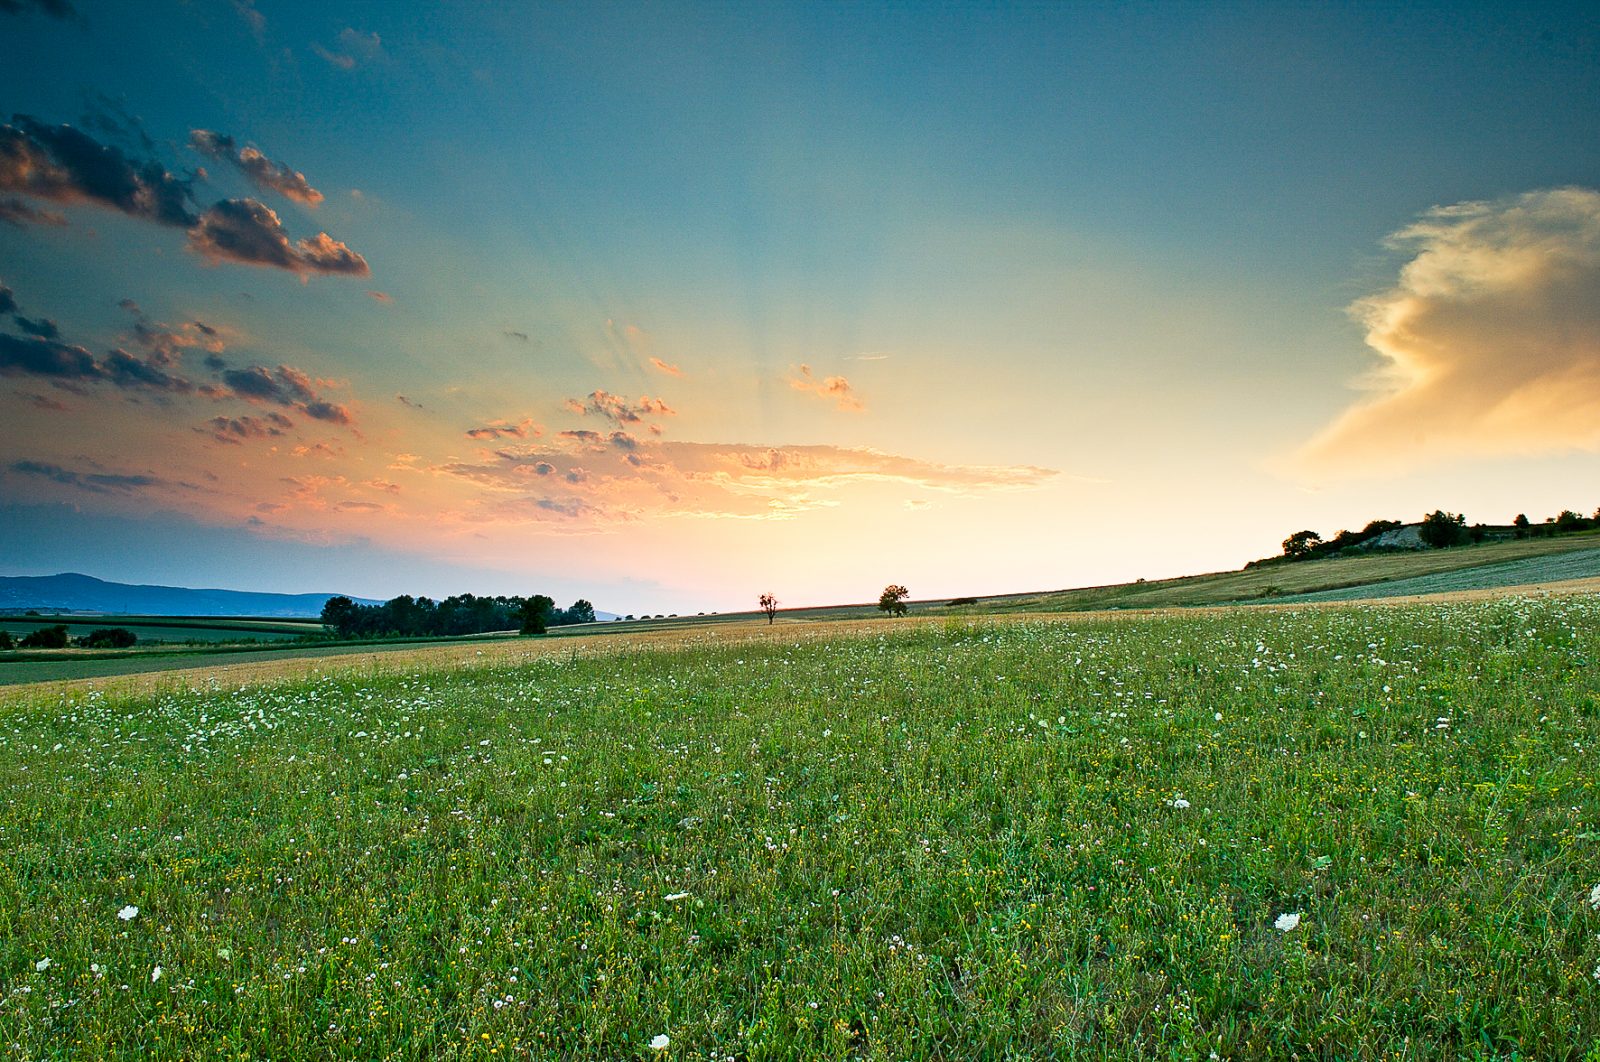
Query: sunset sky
x=668, y=305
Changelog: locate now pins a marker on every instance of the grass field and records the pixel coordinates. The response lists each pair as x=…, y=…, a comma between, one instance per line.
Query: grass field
x=963, y=839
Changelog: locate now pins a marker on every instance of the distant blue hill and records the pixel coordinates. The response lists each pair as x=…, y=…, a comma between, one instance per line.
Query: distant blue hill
x=71, y=592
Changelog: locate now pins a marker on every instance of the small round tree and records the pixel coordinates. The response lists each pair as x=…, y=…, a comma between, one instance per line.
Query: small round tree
x=769, y=605
x=893, y=600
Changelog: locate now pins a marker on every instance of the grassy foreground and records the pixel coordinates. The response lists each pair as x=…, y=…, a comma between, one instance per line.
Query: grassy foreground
x=964, y=840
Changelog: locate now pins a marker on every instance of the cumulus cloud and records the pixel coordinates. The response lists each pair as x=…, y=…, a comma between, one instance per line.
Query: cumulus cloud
x=234, y=430
x=1489, y=340
x=284, y=386
x=65, y=165
x=618, y=409
x=42, y=327
x=265, y=174
x=249, y=232
x=33, y=356
x=834, y=388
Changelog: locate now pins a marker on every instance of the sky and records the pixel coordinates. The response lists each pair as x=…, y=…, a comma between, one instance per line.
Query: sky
x=669, y=305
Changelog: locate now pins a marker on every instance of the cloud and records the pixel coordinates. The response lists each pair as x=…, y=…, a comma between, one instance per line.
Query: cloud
x=408, y=403
x=351, y=49
x=65, y=165
x=43, y=327
x=504, y=429
x=618, y=408
x=1489, y=340
x=379, y=296
x=706, y=479
x=166, y=343
x=520, y=337
x=249, y=232
x=93, y=482
x=130, y=373
x=834, y=388
x=38, y=401
x=246, y=9
x=234, y=430
x=34, y=356
x=285, y=386
x=261, y=171
x=60, y=9
x=14, y=211
x=8, y=300
x=670, y=370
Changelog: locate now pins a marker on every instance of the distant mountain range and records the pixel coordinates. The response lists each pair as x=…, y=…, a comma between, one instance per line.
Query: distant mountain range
x=71, y=592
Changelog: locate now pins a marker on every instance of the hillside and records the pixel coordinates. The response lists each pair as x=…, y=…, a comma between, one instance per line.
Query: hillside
x=72, y=592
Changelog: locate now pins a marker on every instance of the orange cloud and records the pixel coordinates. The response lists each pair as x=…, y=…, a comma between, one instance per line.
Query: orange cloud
x=629, y=480
x=670, y=370
x=618, y=408
x=504, y=429
x=836, y=388
x=1490, y=339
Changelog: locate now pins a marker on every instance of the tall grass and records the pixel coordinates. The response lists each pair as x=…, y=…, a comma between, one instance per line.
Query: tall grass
x=957, y=841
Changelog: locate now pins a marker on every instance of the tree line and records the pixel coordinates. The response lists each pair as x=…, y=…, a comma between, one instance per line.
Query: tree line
x=407, y=616
x=1439, y=529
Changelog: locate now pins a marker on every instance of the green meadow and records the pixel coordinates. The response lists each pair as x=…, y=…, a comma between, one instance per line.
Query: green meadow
x=1334, y=832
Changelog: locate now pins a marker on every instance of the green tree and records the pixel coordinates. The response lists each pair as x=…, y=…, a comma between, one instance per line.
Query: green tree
x=580, y=612
x=1299, y=545
x=769, y=605
x=47, y=638
x=1441, y=529
x=339, y=616
x=893, y=600
x=535, y=613
x=108, y=638
x=6, y=641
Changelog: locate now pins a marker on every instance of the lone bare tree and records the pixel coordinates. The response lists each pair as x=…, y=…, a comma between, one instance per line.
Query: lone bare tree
x=893, y=599
x=769, y=605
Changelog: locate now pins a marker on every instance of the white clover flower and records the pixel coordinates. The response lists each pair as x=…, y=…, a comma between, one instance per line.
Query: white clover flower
x=660, y=1042
x=128, y=913
x=1286, y=922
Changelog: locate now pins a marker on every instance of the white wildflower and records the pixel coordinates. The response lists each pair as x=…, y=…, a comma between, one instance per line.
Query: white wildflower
x=128, y=913
x=155, y=975
x=674, y=897
x=42, y=965
x=660, y=1042
x=1286, y=922
x=1594, y=897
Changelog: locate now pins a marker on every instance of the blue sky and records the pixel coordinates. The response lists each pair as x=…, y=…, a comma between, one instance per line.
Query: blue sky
x=1072, y=268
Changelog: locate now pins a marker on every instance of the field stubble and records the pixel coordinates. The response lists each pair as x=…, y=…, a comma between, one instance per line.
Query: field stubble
x=952, y=839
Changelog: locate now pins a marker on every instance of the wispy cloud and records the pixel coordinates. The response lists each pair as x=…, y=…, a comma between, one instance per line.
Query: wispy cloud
x=352, y=49
x=504, y=429
x=670, y=370
x=834, y=388
x=618, y=481
x=1490, y=339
